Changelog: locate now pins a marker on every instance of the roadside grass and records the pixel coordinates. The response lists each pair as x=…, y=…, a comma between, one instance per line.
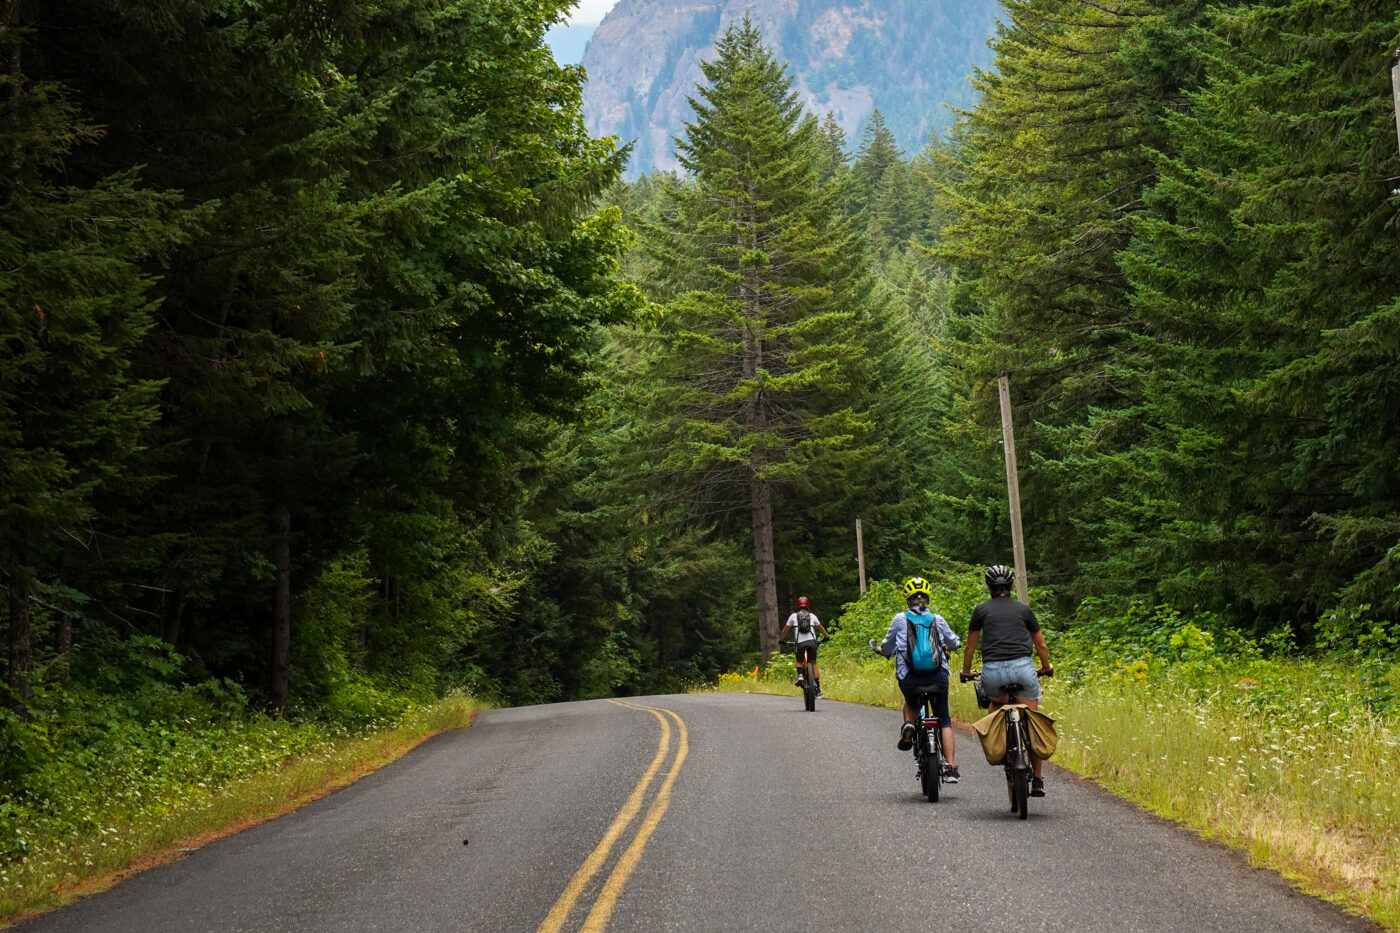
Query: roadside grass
x=188, y=807
x=1292, y=760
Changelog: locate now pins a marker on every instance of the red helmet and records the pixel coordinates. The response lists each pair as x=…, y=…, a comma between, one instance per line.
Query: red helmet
x=803, y=602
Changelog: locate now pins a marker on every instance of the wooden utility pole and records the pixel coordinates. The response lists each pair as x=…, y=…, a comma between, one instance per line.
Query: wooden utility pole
x=860, y=556
x=1395, y=88
x=1013, y=489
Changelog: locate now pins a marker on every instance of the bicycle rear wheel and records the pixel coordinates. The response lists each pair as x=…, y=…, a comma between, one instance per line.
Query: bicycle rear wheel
x=809, y=696
x=930, y=769
x=1020, y=793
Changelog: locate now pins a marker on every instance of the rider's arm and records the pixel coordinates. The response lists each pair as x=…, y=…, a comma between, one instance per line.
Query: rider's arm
x=970, y=651
x=947, y=636
x=1042, y=649
x=887, y=646
x=822, y=628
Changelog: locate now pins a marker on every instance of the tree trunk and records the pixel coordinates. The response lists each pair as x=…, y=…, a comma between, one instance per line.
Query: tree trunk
x=63, y=642
x=281, y=607
x=20, y=654
x=764, y=573
x=175, y=618
x=760, y=495
x=9, y=19
x=63, y=628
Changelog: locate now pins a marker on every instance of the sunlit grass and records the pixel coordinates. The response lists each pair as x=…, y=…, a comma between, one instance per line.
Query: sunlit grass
x=1305, y=787
x=131, y=835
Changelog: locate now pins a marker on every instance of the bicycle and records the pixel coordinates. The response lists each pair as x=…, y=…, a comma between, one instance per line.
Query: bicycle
x=804, y=673
x=1017, y=761
x=929, y=757
x=928, y=742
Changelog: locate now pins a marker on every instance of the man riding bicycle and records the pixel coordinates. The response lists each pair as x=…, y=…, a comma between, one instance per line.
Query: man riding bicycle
x=917, y=594
x=1007, y=630
x=805, y=625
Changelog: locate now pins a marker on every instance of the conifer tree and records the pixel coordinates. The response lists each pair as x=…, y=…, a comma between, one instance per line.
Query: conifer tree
x=1265, y=274
x=878, y=154
x=834, y=164
x=1049, y=171
x=756, y=358
x=74, y=305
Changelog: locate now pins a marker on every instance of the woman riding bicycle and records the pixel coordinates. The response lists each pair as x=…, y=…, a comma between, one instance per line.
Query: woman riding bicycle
x=917, y=593
x=805, y=625
x=1007, y=630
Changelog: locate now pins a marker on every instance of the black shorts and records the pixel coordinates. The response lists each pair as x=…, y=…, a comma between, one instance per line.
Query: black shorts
x=805, y=650
x=913, y=685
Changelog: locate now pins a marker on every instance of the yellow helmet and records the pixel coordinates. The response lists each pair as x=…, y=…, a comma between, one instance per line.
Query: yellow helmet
x=916, y=585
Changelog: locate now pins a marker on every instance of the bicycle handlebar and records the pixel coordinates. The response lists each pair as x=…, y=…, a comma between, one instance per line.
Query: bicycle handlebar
x=1041, y=673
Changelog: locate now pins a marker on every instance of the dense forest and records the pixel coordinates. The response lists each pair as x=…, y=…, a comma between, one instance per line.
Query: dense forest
x=340, y=368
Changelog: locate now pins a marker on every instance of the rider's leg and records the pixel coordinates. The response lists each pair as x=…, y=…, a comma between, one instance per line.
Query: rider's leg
x=1036, y=763
x=945, y=717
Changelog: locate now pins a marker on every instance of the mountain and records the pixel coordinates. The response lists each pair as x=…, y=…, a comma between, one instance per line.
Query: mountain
x=909, y=58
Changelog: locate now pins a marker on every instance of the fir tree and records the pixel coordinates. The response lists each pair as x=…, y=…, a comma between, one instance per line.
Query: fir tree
x=74, y=306
x=878, y=154
x=758, y=354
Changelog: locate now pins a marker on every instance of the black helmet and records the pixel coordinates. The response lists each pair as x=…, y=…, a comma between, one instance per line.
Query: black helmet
x=998, y=576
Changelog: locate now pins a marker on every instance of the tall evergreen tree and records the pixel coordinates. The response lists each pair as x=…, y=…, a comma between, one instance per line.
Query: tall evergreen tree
x=878, y=154
x=74, y=305
x=755, y=364
x=1050, y=169
x=1267, y=279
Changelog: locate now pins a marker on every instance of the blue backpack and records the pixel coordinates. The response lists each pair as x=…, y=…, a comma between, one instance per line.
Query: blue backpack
x=925, y=653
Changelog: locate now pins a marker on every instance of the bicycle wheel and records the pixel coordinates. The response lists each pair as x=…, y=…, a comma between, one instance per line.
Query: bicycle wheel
x=928, y=767
x=933, y=762
x=809, y=695
x=1021, y=792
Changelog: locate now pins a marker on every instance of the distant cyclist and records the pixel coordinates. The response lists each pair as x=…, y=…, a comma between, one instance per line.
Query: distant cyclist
x=805, y=625
x=1007, y=630
x=917, y=594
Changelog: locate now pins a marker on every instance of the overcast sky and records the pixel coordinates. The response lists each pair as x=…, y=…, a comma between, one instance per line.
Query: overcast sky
x=590, y=11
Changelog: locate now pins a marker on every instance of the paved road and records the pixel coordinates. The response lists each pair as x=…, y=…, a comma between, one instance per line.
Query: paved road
x=746, y=814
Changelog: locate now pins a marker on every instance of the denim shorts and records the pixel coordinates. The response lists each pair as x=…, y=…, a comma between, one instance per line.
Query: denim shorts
x=997, y=674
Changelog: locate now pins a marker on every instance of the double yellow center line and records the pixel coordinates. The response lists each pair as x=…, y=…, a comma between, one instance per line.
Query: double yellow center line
x=603, y=904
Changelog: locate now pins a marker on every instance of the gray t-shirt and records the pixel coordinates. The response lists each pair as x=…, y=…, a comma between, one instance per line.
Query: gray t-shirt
x=1006, y=625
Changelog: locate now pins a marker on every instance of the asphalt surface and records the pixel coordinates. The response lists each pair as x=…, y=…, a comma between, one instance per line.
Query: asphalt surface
x=776, y=819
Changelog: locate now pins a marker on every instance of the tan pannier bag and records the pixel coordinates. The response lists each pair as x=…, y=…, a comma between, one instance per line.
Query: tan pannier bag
x=991, y=729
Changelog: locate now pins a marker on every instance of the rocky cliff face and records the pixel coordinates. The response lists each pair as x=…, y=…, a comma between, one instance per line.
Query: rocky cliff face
x=909, y=58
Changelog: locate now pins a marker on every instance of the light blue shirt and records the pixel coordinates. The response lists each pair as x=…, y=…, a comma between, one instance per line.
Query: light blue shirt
x=896, y=642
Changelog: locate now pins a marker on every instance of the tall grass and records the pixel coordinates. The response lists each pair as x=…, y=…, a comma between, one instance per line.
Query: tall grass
x=1291, y=759
x=211, y=783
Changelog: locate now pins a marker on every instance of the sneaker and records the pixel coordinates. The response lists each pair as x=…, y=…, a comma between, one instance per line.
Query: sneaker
x=1037, y=787
x=819, y=693
x=906, y=737
x=951, y=775
x=799, y=682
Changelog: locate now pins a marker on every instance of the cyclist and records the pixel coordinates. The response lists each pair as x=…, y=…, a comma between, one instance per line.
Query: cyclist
x=917, y=594
x=1007, y=630
x=805, y=625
